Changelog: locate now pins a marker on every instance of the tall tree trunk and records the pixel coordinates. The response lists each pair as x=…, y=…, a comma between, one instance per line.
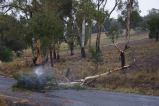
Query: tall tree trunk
x=129, y=11
x=51, y=58
x=90, y=35
x=157, y=35
x=58, y=52
x=58, y=56
x=122, y=56
x=98, y=40
x=55, y=55
x=83, y=55
x=71, y=48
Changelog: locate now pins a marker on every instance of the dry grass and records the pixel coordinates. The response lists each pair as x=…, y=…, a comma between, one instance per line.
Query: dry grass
x=12, y=101
x=143, y=82
x=140, y=78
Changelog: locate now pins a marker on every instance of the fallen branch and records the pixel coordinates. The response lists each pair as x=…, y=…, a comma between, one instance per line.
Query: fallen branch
x=87, y=81
x=90, y=79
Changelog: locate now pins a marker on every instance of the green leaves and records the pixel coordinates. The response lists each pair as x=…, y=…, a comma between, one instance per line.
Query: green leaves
x=153, y=23
x=11, y=33
x=114, y=31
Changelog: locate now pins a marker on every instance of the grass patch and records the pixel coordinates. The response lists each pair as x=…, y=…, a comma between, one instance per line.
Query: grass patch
x=142, y=82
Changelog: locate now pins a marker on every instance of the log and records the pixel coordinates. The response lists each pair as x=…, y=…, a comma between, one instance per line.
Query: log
x=87, y=80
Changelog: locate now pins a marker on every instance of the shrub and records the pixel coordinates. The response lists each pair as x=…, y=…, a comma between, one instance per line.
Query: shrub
x=5, y=54
x=96, y=56
x=35, y=82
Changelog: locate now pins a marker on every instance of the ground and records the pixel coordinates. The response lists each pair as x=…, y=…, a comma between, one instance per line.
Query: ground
x=69, y=97
x=142, y=77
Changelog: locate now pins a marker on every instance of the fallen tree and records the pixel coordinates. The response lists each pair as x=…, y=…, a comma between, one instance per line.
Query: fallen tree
x=90, y=79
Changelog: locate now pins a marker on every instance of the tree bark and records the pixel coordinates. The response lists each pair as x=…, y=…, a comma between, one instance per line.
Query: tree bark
x=72, y=49
x=58, y=56
x=122, y=56
x=98, y=40
x=83, y=55
x=55, y=55
x=90, y=35
x=157, y=36
x=51, y=58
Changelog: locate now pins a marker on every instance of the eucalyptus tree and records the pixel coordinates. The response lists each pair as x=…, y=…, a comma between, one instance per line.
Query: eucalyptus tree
x=11, y=38
x=43, y=21
x=49, y=28
x=102, y=15
x=127, y=8
x=83, y=15
x=153, y=23
x=71, y=35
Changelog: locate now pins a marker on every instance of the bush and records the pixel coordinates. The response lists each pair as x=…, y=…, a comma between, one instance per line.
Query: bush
x=96, y=56
x=35, y=82
x=5, y=54
x=153, y=23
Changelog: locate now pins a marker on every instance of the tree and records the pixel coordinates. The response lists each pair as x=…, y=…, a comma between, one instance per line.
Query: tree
x=129, y=5
x=83, y=15
x=48, y=27
x=153, y=23
x=5, y=54
x=102, y=15
x=136, y=20
x=12, y=37
x=45, y=19
x=71, y=35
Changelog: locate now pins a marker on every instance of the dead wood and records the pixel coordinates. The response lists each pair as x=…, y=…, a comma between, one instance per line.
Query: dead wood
x=90, y=79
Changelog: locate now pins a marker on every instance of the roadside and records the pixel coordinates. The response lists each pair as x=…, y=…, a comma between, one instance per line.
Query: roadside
x=72, y=97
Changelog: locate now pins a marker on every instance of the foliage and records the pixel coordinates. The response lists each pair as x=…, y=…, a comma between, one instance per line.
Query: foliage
x=97, y=57
x=5, y=54
x=135, y=19
x=11, y=37
x=48, y=27
x=153, y=23
x=114, y=31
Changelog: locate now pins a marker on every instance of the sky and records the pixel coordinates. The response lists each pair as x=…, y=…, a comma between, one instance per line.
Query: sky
x=144, y=6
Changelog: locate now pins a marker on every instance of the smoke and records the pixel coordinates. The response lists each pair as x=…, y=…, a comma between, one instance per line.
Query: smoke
x=38, y=70
x=41, y=78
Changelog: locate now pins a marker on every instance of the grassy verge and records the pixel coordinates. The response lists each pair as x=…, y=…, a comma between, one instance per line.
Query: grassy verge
x=141, y=82
x=12, y=101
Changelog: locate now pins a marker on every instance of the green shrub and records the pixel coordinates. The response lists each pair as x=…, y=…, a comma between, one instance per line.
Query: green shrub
x=5, y=54
x=96, y=56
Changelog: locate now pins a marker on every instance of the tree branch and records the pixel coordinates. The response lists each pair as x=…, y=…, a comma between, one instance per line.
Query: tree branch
x=116, y=4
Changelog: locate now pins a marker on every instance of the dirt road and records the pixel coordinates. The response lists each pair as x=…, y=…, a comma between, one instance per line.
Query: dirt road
x=77, y=97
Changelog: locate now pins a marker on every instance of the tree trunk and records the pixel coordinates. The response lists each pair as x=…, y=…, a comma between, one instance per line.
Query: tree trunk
x=58, y=51
x=122, y=56
x=98, y=40
x=72, y=49
x=55, y=55
x=83, y=54
x=90, y=35
x=72, y=52
x=51, y=58
x=58, y=56
x=83, y=38
x=157, y=36
x=129, y=11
